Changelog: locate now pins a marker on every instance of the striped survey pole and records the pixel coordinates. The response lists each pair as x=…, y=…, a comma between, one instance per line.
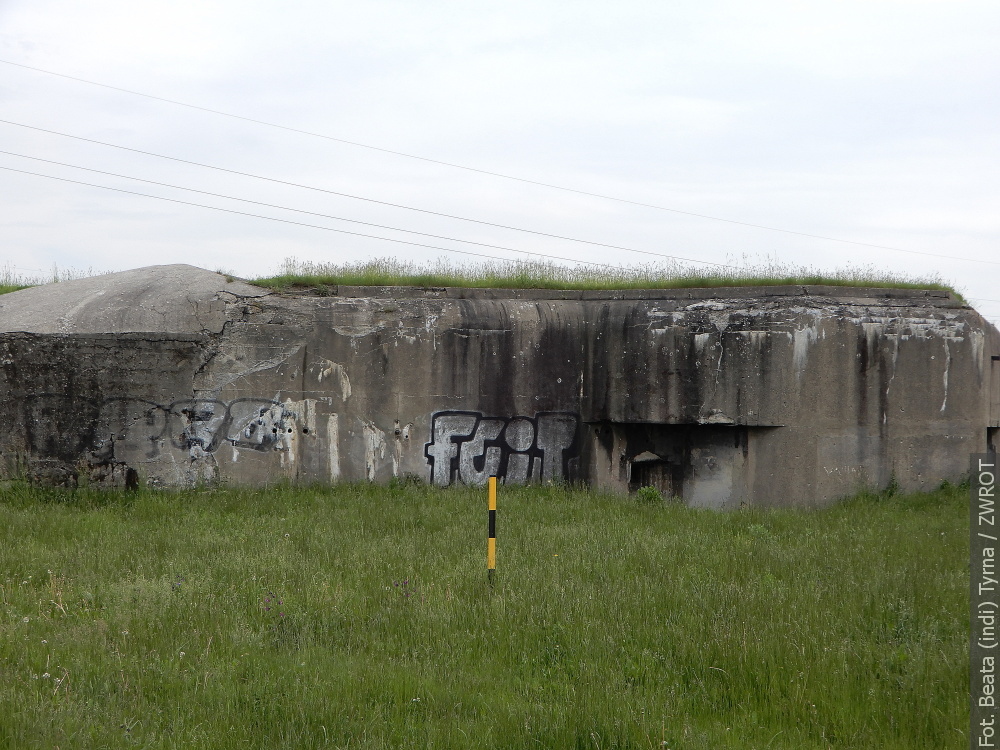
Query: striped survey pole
x=491, y=542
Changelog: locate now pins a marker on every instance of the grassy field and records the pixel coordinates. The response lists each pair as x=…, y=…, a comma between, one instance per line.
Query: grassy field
x=359, y=616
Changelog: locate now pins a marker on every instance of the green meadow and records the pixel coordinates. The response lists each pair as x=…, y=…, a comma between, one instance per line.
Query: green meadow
x=360, y=617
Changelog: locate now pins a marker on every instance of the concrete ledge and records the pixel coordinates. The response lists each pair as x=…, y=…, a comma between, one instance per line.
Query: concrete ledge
x=112, y=339
x=925, y=296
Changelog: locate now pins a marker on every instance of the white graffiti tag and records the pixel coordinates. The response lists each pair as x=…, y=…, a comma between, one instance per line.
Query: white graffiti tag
x=471, y=447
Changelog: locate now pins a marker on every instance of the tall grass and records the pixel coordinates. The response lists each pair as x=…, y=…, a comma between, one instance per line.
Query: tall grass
x=308, y=276
x=539, y=275
x=12, y=281
x=359, y=616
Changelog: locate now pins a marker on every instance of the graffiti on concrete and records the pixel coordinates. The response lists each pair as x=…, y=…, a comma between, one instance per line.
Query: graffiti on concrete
x=199, y=426
x=470, y=447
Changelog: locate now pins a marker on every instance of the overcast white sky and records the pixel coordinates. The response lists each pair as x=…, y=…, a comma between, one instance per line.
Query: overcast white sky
x=871, y=121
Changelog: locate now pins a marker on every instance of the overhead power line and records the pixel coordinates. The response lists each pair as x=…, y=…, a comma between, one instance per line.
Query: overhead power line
x=350, y=195
x=453, y=164
x=295, y=223
x=312, y=213
x=303, y=224
x=441, y=214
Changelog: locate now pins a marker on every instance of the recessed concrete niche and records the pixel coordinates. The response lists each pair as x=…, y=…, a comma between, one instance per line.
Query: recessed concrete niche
x=771, y=396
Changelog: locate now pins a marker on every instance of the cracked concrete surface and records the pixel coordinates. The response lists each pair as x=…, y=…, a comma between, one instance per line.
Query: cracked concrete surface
x=725, y=397
x=165, y=299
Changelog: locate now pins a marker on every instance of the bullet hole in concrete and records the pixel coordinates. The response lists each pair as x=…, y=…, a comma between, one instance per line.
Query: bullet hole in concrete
x=305, y=430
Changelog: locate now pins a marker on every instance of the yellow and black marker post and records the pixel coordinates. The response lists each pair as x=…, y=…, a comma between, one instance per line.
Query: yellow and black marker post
x=491, y=542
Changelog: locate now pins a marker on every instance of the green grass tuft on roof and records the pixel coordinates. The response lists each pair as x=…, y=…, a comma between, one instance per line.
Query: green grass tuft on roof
x=309, y=276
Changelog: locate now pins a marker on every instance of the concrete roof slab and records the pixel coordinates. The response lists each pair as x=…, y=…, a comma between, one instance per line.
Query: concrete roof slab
x=165, y=299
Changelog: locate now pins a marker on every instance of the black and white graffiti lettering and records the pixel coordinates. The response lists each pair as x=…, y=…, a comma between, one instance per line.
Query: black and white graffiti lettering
x=197, y=425
x=443, y=449
x=555, y=434
x=475, y=452
x=256, y=423
x=469, y=447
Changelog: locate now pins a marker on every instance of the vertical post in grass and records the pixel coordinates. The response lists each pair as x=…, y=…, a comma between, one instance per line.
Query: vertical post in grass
x=491, y=542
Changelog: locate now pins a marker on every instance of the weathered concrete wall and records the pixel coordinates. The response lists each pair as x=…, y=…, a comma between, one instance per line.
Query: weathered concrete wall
x=769, y=396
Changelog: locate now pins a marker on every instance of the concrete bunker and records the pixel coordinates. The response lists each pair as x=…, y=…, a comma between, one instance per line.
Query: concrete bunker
x=727, y=397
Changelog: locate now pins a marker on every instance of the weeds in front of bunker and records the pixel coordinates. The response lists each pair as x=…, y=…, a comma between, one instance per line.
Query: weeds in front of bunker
x=613, y=622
